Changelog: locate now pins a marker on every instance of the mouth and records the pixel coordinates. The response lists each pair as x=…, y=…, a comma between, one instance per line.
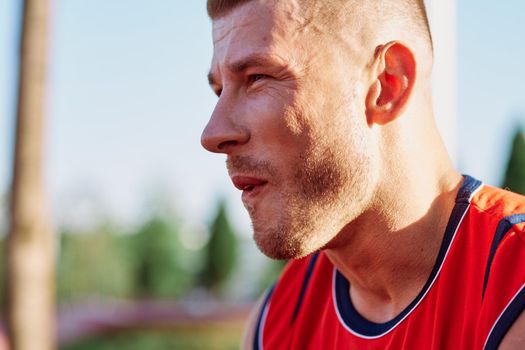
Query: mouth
x=247, y=183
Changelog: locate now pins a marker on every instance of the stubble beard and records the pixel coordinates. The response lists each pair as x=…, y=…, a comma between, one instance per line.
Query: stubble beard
x=326, y=193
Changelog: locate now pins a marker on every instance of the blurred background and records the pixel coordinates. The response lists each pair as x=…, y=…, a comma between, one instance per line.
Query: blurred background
x=153, y=247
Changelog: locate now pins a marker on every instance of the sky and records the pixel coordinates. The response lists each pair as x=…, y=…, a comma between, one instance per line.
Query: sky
x=128, y=98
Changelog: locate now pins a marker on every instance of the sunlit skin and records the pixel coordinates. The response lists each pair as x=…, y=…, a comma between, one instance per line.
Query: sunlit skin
x=337, y=108
x=274, y=125
x=331, y=137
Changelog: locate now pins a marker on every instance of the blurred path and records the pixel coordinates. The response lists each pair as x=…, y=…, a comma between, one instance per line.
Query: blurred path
x=88, y=318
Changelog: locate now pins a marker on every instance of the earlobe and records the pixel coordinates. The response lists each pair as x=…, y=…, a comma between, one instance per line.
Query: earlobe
x=372, y=98
x=394, y=76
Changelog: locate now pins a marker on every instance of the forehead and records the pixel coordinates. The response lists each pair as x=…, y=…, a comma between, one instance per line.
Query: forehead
x=256, y=27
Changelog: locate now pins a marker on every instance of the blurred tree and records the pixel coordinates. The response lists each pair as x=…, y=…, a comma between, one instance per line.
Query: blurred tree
x=3, y=280
x=94, y=263
x=221, y=251
x=515, y=173
x=157, y=250
x=4, y=200
x=30, y=253
x=272, y=271
x=3, y=233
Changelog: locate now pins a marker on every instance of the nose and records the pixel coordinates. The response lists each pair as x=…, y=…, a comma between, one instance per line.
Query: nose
x=223, y=133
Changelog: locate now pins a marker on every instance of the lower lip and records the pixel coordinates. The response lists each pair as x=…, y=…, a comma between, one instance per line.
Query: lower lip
x=248, y=196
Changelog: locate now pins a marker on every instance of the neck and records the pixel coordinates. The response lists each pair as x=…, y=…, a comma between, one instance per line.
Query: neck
x=388, y=253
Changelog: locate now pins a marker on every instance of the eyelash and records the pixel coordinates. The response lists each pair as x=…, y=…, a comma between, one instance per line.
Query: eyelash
x=252, y=78
x=256, y=77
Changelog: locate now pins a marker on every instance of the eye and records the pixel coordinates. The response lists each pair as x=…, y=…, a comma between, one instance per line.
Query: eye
x=252, y=78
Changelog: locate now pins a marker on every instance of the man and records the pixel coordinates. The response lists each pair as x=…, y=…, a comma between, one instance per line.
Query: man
x=325, y=115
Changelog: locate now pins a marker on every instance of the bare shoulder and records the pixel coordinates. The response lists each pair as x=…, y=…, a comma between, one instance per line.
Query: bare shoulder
x=515, y=337
x=251, y=325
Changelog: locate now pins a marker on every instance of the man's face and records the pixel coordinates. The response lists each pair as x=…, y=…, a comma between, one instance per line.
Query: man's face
x=290, y=118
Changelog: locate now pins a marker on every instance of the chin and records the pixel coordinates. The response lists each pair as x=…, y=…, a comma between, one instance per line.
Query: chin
x=285, y=242
x=278, y=251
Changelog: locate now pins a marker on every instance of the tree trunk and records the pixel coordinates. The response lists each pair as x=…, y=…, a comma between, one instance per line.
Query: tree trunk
x=30, y=245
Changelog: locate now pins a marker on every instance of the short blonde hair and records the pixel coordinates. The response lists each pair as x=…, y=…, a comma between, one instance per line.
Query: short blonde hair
x=412, y=10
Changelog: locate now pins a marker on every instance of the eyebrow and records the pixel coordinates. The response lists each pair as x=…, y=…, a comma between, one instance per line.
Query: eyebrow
x=239, y=66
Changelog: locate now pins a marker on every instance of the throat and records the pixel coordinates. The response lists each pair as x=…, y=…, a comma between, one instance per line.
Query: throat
x=382, y=306
x=374, y=308
x=386, y=272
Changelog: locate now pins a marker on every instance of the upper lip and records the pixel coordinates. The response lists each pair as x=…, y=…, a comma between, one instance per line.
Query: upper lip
x=246, y=182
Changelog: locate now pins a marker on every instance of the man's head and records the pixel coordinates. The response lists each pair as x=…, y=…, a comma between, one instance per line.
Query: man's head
x=335, y=12
x=310, y=95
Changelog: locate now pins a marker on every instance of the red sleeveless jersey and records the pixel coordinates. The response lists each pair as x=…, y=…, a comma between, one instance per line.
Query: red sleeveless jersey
x=475, y=291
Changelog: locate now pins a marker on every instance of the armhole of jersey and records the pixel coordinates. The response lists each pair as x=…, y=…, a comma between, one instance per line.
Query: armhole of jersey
x=306, y=281
x=504, y=226
x=505, y=320
x=258, y=343
x=259, y=328
x=516, y=305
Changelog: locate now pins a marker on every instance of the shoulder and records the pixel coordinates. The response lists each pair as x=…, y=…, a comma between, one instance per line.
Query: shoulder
x=281, y=303
x=497, y=202
x=251, y=337
x=499, y=216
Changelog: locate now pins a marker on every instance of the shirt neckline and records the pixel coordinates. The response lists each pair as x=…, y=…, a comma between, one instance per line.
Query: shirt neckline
x=360, y=326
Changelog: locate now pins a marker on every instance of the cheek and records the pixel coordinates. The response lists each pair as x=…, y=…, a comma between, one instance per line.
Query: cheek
x=278, y=121
x=296, y=118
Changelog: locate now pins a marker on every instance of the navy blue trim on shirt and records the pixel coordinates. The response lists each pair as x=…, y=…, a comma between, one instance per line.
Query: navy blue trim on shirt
x=506, y=319
x=504, y=226
x=365, y=328
x=467, y=189
x=264, y=306
x=309, y=270
x=258, y=329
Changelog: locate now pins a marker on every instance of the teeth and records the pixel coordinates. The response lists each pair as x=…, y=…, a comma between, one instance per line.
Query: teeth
x=248, y=187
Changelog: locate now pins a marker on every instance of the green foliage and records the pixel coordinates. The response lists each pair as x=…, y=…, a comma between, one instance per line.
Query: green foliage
x=221, y=251
x=157, y=251
x=108, y=263
x=272, y=271
x=93, y=264
x=515, y=173
x=3, y=214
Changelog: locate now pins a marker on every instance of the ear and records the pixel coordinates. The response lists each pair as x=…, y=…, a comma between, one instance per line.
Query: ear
x=394, y=77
